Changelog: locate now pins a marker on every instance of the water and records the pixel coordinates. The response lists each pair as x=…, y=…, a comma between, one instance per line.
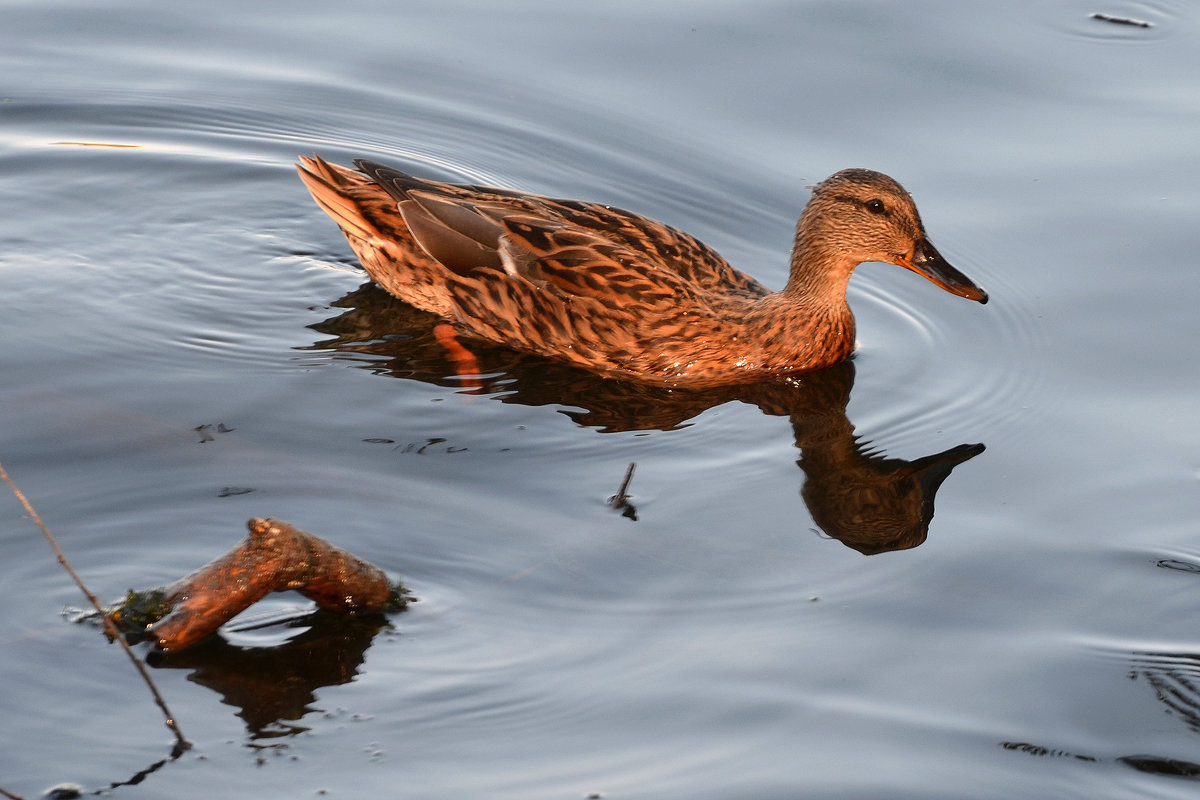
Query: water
x=163, y=270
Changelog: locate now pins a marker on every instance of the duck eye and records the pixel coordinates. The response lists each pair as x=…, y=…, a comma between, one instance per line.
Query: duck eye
x=875, y=206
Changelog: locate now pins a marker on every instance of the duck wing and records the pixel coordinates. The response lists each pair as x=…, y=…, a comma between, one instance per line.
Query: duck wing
x=479, y=239
x=465, y=227
x=691, y=259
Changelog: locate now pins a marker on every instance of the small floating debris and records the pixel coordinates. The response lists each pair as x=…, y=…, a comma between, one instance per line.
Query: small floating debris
x=1175, y=563
x=205, y=431
x=620, y=500
x=1136, y=23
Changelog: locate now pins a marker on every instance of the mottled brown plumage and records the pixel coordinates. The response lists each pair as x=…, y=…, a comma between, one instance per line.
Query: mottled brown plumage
x=618, y=293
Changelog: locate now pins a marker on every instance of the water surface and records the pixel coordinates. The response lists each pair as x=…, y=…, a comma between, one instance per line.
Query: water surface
x=164, y=273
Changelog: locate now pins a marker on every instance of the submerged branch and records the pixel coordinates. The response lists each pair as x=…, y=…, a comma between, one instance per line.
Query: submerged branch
x=274, y=557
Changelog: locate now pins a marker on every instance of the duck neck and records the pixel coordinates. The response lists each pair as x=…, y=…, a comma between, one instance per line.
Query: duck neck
x=809, y=324
x=815, y=298
x=819, y=274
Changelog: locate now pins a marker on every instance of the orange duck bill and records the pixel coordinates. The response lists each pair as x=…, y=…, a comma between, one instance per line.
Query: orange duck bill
x=928, y=262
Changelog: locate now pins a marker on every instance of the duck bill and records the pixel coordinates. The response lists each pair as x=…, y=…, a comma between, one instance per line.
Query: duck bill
x=928, y=262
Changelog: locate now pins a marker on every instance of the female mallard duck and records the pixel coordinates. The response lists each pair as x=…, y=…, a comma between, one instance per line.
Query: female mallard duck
x=618, y=293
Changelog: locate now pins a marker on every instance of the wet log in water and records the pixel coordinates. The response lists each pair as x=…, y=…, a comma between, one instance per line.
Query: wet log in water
x=274, y=557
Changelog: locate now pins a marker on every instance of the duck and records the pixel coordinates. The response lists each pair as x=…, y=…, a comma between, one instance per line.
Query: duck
x=615, y=292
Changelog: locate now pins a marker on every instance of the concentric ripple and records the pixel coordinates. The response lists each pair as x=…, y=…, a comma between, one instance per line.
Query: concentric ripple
x=929, y=362
x=1119, y=22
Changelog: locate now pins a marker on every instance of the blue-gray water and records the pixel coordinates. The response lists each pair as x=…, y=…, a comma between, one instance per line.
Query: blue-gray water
x=162, y=269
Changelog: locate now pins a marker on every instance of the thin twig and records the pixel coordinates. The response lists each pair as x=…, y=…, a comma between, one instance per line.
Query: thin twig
x=110, y=628
x=623, y=492
x=4, y=791
x=1137, y=23
x=620, y=500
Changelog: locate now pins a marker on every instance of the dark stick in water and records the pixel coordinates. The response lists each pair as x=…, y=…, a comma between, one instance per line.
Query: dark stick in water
x=181, y=743
x=1137, y=23
x=274, y=557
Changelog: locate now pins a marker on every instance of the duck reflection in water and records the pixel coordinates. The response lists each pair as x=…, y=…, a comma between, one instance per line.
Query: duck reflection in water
x=870, y=503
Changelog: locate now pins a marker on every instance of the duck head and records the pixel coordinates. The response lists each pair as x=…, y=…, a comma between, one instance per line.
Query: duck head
x=858, y=215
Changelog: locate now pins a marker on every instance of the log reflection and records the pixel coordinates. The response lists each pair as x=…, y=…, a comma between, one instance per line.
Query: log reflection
x=272, y=688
